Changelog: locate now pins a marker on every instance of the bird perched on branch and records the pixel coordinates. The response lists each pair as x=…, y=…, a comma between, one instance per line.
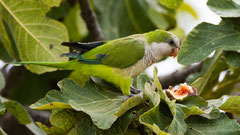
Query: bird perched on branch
x=118, y=60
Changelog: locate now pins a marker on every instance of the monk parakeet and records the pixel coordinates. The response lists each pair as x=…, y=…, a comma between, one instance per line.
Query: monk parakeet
x=118, y=60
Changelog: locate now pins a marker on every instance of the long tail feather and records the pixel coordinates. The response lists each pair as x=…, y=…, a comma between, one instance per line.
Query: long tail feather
x=62, y=65
x=80, y=46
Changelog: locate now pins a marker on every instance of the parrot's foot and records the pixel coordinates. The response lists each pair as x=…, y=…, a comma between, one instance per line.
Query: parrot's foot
x=134, y=90
x=127, y=97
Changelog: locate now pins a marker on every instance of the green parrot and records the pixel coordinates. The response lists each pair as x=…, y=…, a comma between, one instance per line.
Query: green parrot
x=119, y=60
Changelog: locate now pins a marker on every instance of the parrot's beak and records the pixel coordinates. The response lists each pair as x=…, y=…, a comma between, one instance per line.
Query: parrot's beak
x=174, y=53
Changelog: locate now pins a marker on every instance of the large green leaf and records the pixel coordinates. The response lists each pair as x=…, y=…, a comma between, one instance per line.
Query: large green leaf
x=225, y=8
x=119, y=18
x=99, y=103
x=171, y=3
x=232, y=105
x=205, y=38
x=198, y=125
x=37, y=38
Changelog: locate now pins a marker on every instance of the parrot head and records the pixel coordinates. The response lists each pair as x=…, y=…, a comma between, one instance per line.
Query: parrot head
x=167, y=43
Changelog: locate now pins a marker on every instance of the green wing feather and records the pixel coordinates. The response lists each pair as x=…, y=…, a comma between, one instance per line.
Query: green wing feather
x=120, y=53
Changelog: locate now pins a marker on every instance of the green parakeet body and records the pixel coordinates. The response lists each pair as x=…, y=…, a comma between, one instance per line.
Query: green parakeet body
x=117, y=61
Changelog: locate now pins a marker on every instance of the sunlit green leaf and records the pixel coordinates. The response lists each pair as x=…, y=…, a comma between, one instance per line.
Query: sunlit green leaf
x=41, y=36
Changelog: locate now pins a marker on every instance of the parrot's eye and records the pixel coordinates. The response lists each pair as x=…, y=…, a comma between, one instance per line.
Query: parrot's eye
x=170, y=41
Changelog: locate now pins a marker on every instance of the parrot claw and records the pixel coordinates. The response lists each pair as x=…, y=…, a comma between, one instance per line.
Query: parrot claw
x=134, y=90
x=127, y=97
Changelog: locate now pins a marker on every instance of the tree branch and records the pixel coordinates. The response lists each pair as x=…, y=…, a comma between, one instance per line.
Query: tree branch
x=179, y=76
x=90, y=18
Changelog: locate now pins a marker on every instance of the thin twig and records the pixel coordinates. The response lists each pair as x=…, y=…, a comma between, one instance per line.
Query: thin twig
x=179, y=76
x=90, y=18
